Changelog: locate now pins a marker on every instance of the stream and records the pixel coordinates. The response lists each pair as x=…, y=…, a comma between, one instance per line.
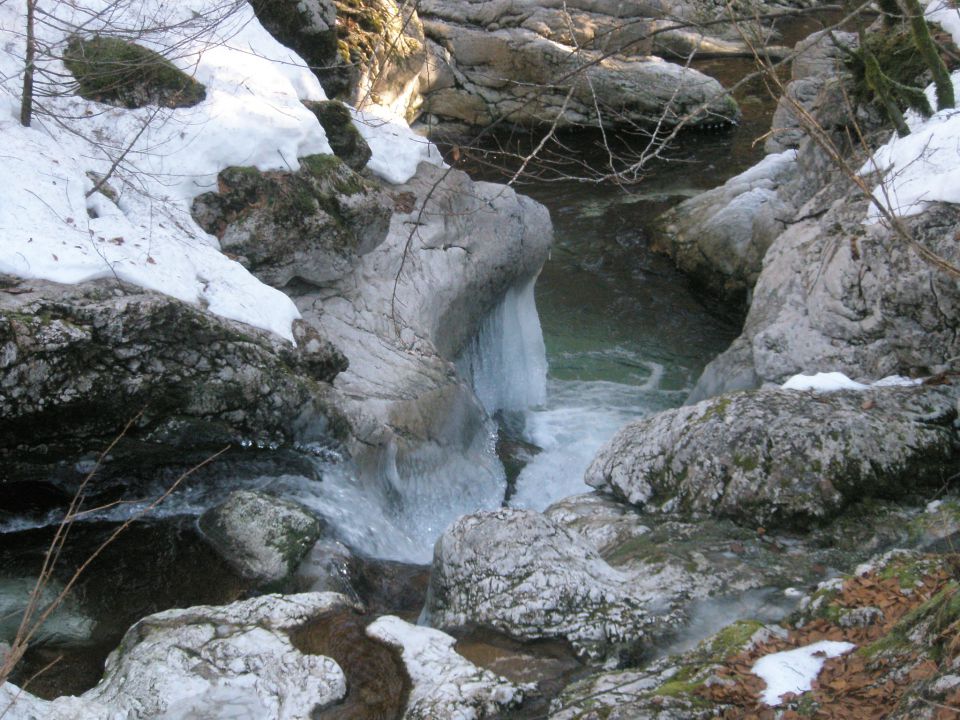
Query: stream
x=624, y=335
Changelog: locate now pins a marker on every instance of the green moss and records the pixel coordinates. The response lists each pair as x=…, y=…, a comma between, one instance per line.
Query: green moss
x=122, y=73
x=732, y=639
x=716, y=409
x=747, y=463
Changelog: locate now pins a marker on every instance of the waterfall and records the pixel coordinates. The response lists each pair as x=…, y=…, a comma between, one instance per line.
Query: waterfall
x=506, y=362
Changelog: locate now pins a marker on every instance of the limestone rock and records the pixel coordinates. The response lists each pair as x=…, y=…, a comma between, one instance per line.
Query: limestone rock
x=311, y=225
x=444, y=683
x=199, y=661
x=516, y=75
x=78, y=362
x=840, y=295
x=721, y=236
x=775, y=458
x=263, y=537
x=517, y=572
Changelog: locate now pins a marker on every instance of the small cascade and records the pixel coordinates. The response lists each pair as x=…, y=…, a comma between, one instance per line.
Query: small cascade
x=506, y=363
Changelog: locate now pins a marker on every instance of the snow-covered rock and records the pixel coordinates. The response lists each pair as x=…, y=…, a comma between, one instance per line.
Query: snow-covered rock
x=777, y=457
x=444, y=683
x=519, y=573
x=207, y=662
x=263, y=537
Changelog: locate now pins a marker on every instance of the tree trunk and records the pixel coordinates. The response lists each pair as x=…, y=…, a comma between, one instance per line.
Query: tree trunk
x=26, y=101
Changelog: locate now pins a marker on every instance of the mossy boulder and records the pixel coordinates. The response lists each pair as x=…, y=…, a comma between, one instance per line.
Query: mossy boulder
x=311, y=225
x=118, y=72
x=347, y=142
x=783, y=458
x=263, y=537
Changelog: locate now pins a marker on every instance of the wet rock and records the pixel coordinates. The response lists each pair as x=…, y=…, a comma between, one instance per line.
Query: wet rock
x=347, y=142
x=263, y=537
x=519, y=573
x=67, y=625
x=79, y=362
x=721, y=236
x=311, y=225
x=782, y=458
x=200, y=660
x=444, y=683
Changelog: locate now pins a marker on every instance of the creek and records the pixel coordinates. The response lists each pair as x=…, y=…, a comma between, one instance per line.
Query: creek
x=623, y=335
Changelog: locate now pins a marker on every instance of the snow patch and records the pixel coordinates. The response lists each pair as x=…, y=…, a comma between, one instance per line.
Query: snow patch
x=834, y=381
x=793, y=671
x=142, y=232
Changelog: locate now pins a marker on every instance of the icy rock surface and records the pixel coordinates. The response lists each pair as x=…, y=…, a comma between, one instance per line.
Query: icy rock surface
x=261, y=536
x=207, y=662
x=777, y=457
x=445, y=684
x=519, y=573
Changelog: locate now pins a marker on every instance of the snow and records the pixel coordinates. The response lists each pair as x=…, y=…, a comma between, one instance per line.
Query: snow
x=793, y=671
x=444, y=683
x=252, y=116
x=397, y=150
x=834, y=381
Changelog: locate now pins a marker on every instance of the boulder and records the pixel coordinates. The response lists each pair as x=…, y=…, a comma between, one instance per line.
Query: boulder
x=311, y=225
x=720, y=237
x=838, y=294
x=783, y=458
x=198, y=661
x=520, y=574
x=77, y=362
x=444, y=684
x=263, y=537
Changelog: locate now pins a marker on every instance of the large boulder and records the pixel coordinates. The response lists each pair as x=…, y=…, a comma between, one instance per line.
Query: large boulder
x=197, y=661
x=263, y=537
x=519, y=573
x=783, y=458
x=311, y=225
x=836, y=293
x=78, y=362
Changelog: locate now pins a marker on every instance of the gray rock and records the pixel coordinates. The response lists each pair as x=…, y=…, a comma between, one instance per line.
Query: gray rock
x=311, y=225
x=202, y=662
x=67, y=625
x=78, y=362
x=517, y=75
x=519, y=573
x=721, y=236
x=782, y=458
x=840, y=295
x=307, y=27
x=263, y=537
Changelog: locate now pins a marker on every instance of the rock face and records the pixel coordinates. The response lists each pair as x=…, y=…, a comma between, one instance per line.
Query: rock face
x=772, y=458
x=444, y=683
x=78, y=362
x=199, y=661
x=721, y=236
x=517, y=572
x=514, y=74
x=837, y=294
x=311, y=225
x=347, y=142
x=263, y=537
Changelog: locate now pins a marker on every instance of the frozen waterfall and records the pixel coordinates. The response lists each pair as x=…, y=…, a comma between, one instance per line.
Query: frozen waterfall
x=506, y=363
